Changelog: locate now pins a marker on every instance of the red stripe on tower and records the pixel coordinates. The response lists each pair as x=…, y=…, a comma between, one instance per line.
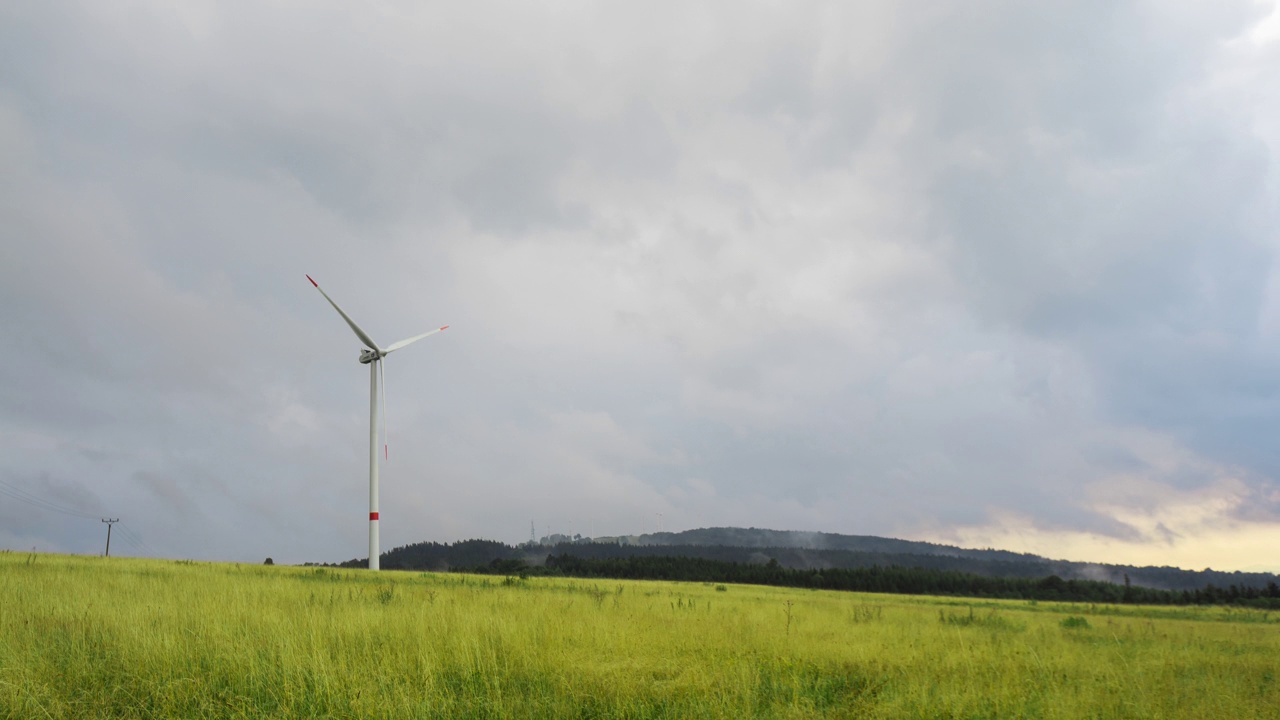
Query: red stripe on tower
x=373, y=516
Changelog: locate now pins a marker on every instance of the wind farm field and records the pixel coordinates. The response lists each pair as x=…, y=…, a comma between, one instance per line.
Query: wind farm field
x=85, y=637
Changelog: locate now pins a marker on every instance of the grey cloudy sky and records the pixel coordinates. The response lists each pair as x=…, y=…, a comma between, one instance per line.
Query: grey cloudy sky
x=988, y=273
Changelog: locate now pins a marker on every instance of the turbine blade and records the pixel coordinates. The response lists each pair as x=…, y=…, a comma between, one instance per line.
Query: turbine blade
x=382, y=381
x=364, y=337
x=409, y=341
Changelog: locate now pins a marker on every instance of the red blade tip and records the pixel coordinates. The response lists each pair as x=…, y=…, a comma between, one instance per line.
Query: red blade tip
x=313, y=282
x=444, y=327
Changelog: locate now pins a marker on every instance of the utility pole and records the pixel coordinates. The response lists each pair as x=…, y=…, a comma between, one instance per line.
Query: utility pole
x=109, y=522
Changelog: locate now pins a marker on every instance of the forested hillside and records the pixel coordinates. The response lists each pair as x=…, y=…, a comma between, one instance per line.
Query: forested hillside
x=831, y=550
x=808, y=551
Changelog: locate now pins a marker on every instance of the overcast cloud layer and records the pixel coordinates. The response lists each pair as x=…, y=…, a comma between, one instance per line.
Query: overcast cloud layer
x=989, y=273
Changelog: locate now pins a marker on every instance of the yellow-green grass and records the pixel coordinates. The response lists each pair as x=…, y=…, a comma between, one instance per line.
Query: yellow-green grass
x=88, y=637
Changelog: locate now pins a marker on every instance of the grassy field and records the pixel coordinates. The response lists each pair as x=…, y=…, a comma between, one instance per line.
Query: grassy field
x=85, y=637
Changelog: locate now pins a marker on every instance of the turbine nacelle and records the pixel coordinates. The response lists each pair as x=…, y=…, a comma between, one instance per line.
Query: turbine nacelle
x=367, y=356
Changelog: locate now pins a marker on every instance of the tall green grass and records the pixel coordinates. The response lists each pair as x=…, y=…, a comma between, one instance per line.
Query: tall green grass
x=96, y=637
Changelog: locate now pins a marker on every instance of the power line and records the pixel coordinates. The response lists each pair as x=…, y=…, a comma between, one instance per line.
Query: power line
x=136, y=540
x=130, y=537
x=24, y=496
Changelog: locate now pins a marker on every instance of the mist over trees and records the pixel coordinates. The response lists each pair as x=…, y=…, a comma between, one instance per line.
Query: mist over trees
x=895, y=579
x=839, y=562
x=809, y=551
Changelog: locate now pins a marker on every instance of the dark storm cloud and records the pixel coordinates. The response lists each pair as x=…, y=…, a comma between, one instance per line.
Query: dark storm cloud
x=857, y=268
x=1129, y=218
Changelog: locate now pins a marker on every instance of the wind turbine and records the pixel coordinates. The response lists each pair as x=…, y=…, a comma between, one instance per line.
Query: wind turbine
x=372, y=356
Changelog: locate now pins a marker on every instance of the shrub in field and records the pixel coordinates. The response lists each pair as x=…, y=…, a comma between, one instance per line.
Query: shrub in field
x=866, y=614
x=1075, y=622
x=386, y=594
x=990, y=620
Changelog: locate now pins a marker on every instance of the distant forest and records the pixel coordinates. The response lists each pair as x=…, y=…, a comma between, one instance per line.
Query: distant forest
x=1012, y=577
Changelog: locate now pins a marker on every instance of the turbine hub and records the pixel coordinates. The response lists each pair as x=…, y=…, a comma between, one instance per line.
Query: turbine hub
x=367, y=356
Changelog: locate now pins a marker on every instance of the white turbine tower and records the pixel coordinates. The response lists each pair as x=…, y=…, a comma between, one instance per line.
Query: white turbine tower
x=372, y=356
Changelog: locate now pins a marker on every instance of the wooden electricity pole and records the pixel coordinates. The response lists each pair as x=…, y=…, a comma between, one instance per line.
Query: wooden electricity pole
x=109, y=522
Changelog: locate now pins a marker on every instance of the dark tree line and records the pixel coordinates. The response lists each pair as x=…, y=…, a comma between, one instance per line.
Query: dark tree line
x=892, y=579
x=442, y=556
x=818, y=550
x=1020, y=577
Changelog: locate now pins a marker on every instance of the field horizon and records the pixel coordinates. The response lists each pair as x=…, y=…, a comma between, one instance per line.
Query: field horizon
x=122, y=637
